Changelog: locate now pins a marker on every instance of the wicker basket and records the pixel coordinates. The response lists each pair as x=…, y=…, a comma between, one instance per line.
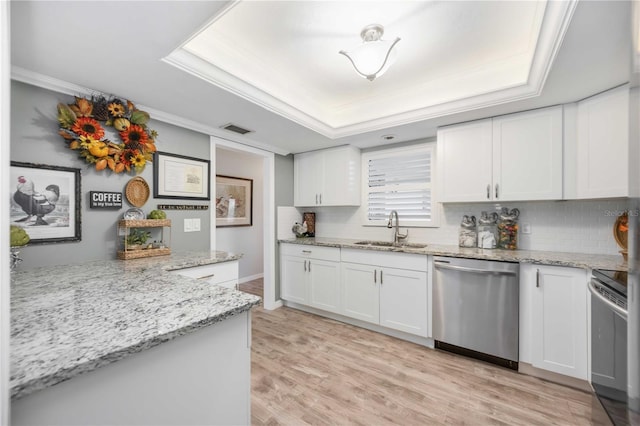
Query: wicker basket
x=137, y=191
x=137, y=254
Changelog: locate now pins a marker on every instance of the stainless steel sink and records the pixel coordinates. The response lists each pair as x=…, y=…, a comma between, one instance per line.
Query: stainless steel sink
x=414, y=245
x=374, y=243
x=389, y=244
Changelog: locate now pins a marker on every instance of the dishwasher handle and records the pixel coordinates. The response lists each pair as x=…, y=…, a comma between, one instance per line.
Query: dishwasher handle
x=439, y=265
x=617, y=309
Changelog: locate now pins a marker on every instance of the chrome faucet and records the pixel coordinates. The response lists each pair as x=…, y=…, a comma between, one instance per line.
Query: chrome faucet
x=397, y=236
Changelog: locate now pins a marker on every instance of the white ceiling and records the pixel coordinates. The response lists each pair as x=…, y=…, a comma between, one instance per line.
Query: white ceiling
x=275, y=67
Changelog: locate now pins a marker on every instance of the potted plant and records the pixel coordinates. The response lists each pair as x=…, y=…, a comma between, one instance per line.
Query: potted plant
x=136, y=238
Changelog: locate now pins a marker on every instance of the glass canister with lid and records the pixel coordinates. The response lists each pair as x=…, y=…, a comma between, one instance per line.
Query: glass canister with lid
x=487, y=230
x=468, y=236
x=508, y=229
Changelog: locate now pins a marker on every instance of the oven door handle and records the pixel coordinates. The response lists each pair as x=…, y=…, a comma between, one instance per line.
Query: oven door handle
x=617, y=309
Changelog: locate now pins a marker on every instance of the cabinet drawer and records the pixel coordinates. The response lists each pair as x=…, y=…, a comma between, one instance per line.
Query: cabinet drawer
x=414, y=262
x=311, y=252
x=215, y=273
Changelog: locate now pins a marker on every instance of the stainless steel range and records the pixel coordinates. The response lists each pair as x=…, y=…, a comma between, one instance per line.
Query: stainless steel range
x=609, y=344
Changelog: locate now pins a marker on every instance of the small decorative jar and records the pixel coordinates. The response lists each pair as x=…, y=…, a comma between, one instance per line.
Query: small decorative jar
x=468, y=236
x=487, y=230
x=508, y=229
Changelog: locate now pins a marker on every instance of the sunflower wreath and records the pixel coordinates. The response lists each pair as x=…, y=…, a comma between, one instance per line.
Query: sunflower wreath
x=80, y=127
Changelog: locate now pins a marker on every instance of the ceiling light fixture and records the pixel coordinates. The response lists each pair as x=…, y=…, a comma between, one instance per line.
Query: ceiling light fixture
x=374, y=56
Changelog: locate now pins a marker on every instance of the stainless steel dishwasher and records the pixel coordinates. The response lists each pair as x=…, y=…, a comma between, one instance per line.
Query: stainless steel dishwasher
x=475, y=308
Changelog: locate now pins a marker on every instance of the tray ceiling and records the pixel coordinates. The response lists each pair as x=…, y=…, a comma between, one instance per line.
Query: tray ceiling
x=452, y=57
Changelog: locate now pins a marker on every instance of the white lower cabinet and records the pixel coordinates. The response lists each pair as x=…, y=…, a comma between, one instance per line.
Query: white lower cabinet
x=293, y=273
x=403, y=300
x=391, y=297
x=224, y=274
x=310, y=275
x=360, y=292
x=554, y=319
x=324, y=285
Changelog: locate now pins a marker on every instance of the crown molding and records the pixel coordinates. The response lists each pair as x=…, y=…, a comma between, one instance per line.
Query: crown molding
x=210, y=73
x=50, y=83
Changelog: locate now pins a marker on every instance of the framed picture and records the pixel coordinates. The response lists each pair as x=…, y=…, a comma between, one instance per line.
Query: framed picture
x=234, y=201
x=45, y=201
x=178, y=176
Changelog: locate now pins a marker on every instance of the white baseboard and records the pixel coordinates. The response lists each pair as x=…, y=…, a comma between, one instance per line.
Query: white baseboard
x=423, y=341
x=250, y=278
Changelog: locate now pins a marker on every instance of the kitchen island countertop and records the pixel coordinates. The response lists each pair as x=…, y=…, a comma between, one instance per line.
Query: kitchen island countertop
x=70, y=319
x=576, y=260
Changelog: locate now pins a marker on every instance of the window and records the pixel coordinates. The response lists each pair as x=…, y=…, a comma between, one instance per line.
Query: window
x=400, y=179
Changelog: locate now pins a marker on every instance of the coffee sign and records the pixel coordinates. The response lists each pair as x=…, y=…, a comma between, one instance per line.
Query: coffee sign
x=105, y=200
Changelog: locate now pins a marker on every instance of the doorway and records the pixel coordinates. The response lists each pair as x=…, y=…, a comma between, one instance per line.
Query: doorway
x=257, y=242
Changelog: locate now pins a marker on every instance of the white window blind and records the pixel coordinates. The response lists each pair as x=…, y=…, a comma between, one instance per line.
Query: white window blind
x=401, y=180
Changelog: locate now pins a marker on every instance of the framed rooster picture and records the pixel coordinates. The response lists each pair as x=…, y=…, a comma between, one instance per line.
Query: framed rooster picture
x=45, y=201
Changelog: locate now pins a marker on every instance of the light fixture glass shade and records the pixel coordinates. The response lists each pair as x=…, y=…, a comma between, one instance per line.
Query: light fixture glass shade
x=374, y=56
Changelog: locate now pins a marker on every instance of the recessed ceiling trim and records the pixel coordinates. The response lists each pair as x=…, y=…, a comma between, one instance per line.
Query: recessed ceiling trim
x=195, y=66
x=557, y=16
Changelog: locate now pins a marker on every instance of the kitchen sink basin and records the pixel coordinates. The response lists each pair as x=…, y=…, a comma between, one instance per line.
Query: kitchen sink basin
x=389, y=244
x=414, y=245
x=374, y=243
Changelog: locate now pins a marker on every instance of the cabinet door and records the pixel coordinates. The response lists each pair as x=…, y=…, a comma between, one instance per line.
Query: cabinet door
x=293, y=279
x=464, y=162
x=360, y=294
x=403, y=300
x=308, y=178
x=324, y=285
x=559, y=319
x=341, y=177
x=603, y=145
x=527, y=155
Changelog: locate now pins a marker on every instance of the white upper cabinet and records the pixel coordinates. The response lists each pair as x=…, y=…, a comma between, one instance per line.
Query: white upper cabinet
x=329, y=177
x=465, y=161
x=527, y=155
x=308, y=178
x=509, y=158
x=602, y=146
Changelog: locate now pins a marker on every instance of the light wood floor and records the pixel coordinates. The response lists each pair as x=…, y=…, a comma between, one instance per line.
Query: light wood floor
x=254, y=287
x=311, y=370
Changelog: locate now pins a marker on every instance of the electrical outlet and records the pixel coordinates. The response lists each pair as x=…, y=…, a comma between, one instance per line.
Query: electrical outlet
x=526, y=228
x=195, y=224
x=188, y=225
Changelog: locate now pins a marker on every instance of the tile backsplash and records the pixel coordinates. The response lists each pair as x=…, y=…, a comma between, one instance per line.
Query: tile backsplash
x=584, y=226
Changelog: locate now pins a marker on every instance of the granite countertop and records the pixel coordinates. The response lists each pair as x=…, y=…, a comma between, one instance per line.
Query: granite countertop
x=70, y=319
x=576, y=260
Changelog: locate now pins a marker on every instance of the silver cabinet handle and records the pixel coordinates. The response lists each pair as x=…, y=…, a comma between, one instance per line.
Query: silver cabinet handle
x=375, y=276
x=320, y=198
x=617, y=309
x=381, y=277
x=206, y=276
x=309, y=266
x=496, y=191
x=306, y=251
x=316, y=198
x=466, y=269
x=488, y=192
x=537, y=277
x=305, y=266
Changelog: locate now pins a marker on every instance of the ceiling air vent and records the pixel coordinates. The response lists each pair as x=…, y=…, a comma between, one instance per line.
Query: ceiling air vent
x=237, y=129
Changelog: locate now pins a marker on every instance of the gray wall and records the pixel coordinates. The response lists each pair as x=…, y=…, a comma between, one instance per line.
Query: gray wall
x=247, y=240
x=35, y=139
x=283, y=197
